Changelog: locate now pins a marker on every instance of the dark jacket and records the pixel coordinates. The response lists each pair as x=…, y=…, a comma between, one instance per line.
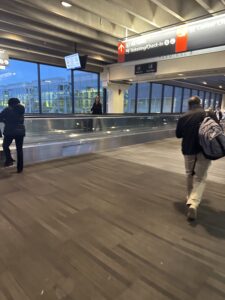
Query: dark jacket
x=187, y=129
x=96, y=108
x=13, y=118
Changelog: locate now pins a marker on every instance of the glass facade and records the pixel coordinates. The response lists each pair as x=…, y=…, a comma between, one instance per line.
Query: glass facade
x=167, y=98
x=156, y=97
x=163, y=98
x=20, y=80
x=51, y=89
x=143, y=97
x=25, y=80
x=55, y=89
x=129, y=99
x=187, y=94
x=177, y=100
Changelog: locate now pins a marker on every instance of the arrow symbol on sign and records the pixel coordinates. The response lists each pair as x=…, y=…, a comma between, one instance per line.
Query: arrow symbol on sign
x=121, y=47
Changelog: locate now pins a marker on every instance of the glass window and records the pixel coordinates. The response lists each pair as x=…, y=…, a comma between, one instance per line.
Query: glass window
x=187, y=93
x=177, y=100
x=194, y=92
x=212, y=100
x=201, y=96
x=85, y=90
x=143, y=97
x=20, y=80
x=206, y=102
x=55, y=89
x=129, y=99
x=167, y=99
x=218, y=100
x=156, y=98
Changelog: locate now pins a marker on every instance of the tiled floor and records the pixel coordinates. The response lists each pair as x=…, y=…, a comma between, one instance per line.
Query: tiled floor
x=111, y=226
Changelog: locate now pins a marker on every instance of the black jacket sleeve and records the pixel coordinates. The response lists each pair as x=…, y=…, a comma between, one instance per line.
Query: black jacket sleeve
x=2, y=115
x=179, y=129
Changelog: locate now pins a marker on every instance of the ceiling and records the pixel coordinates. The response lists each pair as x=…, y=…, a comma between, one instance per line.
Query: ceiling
x=45, y=31
x=216, y=82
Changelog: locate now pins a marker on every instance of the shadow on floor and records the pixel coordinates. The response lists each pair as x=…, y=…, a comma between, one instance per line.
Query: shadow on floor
x=212, y=220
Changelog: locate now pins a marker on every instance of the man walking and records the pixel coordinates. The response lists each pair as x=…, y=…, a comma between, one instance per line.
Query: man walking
x=196, y=165
x=13, y=118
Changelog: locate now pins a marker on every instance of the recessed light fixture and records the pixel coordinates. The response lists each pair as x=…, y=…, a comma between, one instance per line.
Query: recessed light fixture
x=220, y=86
x=204, y=82
x=66, y=4
x=180, y=74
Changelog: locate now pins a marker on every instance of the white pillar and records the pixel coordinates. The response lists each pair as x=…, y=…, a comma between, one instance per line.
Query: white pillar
x=116, y=97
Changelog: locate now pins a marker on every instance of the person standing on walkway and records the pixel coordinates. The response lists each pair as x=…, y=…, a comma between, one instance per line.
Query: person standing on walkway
x=13, y=118
x=196, y=165
x=97, y=110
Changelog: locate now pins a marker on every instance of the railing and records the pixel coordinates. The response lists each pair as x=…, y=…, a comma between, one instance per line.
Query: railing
x=57, y=128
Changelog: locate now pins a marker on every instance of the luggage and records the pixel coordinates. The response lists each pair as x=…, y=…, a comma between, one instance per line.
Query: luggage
x=212, y=139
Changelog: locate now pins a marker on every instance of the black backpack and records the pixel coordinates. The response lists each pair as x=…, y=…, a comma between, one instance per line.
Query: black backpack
x=212, y=139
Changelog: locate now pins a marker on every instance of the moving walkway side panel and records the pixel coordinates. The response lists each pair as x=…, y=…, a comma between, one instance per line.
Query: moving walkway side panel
x=55, y=138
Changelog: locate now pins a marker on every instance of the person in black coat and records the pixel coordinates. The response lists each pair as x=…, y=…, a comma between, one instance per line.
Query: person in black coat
x=97, y=110
x=196, y=164
x=13, y=118
x=97, y=106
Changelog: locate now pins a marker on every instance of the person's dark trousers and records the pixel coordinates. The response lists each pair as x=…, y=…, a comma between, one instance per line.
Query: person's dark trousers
x=19, y=149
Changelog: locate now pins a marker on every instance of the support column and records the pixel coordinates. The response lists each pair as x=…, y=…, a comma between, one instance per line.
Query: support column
x=116, y=97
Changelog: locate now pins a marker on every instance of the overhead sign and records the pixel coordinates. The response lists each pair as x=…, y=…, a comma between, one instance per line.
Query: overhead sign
x=198, y=35
x=146, y=68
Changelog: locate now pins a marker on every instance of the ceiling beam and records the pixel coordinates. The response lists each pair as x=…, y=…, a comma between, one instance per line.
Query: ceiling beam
x=51, y=19
x=34, y=45
x=12, y=32
x=18, y=25
x=108, y=11
x=182, y=10
x=75, y=14
x=212, y=6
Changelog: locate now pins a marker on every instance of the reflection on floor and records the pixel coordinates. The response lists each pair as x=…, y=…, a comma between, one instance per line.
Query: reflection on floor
x=111, y=226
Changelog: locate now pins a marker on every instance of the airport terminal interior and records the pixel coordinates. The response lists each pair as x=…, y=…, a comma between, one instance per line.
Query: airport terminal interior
x=99, y=211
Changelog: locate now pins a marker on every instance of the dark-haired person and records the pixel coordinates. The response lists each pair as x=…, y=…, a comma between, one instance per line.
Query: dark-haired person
x=13, y=118
x=196, y=165
x=97, y=110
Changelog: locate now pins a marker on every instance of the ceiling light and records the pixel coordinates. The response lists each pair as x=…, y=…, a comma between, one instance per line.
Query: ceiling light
x=180, y=74
x=220, y=86
x=66, y=4
x=204, y=82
